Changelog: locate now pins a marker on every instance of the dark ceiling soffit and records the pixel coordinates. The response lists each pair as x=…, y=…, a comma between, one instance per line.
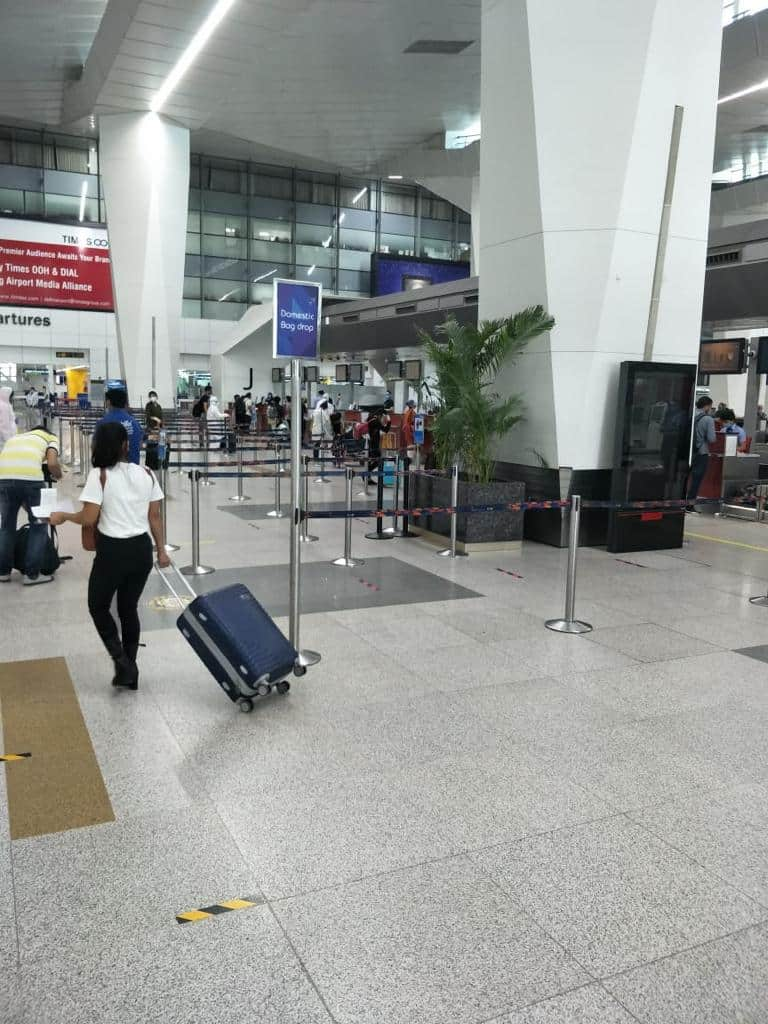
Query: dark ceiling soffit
x=388, y=332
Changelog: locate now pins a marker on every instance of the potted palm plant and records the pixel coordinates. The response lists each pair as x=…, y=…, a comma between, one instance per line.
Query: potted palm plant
x=471, y=417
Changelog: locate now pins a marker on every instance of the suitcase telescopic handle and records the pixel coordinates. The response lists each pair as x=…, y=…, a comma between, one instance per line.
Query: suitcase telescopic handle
x=166, y=580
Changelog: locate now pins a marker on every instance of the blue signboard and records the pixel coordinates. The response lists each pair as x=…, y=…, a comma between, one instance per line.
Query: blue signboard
x=418, y=430
x=296, y=319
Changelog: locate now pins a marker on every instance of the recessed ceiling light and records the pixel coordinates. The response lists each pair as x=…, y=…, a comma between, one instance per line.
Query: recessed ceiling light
x=744, y=92
x=269, y=273
x=311, y=270
x=359, y=195
x=187, y=58
x=395, y=177
x=83, y=194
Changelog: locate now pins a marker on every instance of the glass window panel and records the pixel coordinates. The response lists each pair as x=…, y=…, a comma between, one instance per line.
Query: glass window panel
x=193, y=265
x=322, y=274
x=464, y=232
x=358, y=195
x=69, y=158
x=464, y=252
x=221, y=245
x=34, y=206
x=361, y=241
x=5, y=151
x=193, y=220
x=193, y=243
x=349, y=259
x=191, y=287
x=435, y=208
x=224, y=224
x=28, y=149
x=309, y=254
x=315, y=234
x=265, y=272
x=270, y=230
x=272, y=209
x=321, y=190
x=400, y=245
x=11, y=200
x=194, y=174
x=224, y=291
x=271, y=186
x=261, y=292
x=280, y=251
x=223, y=310
x=224, y=202
x=194, y=199
x=69, y=206
x=354, y=281
x=191, y=308
x=222, y=179
x=436, y=248
x=402, y=201
x=214, y=266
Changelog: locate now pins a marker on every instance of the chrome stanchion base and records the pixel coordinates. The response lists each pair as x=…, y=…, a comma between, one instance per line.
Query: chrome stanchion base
x=447, y=553
x=322, y=480
x=239, y=497
x=307, y=539
x=379, y=536
x=564, y=626
x=197, y=570
x=763, y=599
x=308, y=658
x=347, y=563
x=207, y=483
x=393, y=531
x=276, y=513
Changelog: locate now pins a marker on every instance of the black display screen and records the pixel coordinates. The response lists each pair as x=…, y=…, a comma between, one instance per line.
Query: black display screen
x=651, y=454
x=342, y=373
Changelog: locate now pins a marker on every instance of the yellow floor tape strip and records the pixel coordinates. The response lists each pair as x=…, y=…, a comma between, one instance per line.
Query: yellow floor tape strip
x=61, y=787
x=723, y=540
x=218, y=908
x=13, y=757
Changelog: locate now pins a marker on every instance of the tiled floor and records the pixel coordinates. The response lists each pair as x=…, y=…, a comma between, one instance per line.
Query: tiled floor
x=458, y=817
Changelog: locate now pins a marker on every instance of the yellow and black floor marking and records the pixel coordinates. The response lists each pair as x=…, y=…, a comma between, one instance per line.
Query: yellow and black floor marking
x=219, y=908
x=13, y=757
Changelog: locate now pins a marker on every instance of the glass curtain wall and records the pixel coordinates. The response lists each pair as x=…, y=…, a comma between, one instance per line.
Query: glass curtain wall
x=247, y=222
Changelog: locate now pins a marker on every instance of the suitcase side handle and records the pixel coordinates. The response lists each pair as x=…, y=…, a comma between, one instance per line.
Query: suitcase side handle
x=166, y=580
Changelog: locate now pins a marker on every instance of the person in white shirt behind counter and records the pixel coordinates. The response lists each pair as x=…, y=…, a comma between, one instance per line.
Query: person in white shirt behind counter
x=122, y=500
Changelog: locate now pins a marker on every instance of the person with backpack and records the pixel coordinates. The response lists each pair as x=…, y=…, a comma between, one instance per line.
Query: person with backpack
x=200, y=413
x=21, y=482
x=122, y=502
x=703, y=436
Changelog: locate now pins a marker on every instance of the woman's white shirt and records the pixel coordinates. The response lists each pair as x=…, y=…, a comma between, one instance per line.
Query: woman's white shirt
x=128, y=490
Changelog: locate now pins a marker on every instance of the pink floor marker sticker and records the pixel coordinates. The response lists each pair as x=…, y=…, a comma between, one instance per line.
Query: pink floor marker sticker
x=370, y=586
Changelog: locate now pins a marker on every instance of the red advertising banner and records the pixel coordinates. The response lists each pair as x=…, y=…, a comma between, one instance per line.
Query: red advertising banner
x=55, y=266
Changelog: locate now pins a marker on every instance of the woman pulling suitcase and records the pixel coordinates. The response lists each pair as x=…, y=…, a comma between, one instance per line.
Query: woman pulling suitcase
x=121, y=502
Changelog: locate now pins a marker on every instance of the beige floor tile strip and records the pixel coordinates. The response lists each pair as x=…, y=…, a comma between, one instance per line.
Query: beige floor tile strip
x=60, y=786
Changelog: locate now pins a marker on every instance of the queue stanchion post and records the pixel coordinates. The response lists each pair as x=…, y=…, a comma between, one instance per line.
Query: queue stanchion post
x=346, y=560
x=570, y=624
x=322, y=478
x=61, y=435
x=206, y=480
x=179, y=445
x=239, y=496
x=71, y=444
x=83, y=455
x=196, y=569
x=304, y=658
x=170, y=548
x=306, y=537
x=394, y=530
x=405, y=531
x=452, y=551
x=378, y=533
x=277, y=511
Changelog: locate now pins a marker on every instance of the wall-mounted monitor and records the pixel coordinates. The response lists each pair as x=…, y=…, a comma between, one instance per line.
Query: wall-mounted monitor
x=277, y=374
x=394, y=371
x=726, y=356
x=356, y=373
x=287, y=374
x=342, y=373
x=412, y=370
x=310, y=374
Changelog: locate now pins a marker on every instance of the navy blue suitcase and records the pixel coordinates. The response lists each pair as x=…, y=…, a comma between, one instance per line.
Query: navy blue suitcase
x=239, y=644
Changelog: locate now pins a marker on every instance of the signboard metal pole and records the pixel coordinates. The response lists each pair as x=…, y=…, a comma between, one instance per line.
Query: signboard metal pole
x=305, y=658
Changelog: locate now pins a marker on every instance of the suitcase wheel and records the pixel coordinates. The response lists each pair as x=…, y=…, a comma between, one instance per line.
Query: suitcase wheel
x=283, y=687
x=299, y=670
x=263, y=689
x=245, y=704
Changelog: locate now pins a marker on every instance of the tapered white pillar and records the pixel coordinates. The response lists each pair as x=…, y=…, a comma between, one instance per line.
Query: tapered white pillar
x=578, y=101
x=145, y=173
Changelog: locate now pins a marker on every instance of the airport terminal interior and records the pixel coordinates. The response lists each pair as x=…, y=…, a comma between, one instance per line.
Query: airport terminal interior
x=428, y=342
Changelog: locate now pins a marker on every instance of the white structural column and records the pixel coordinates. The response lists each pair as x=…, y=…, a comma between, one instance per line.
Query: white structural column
x=578, y=101
x=145, y=172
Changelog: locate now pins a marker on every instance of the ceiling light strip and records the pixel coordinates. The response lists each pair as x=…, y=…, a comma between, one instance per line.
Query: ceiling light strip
x=187, y=58
x=744, y=92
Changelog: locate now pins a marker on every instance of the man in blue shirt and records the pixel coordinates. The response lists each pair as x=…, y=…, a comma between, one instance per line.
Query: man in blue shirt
x=703, y=437
x=115, y=401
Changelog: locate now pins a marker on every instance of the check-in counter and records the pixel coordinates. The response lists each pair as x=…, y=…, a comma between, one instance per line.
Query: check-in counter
x=729, y=472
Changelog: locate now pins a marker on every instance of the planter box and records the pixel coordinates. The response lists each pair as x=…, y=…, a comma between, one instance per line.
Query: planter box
x=493, y=528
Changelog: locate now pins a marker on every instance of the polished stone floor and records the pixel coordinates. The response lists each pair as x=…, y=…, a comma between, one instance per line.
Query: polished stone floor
x=458, y=817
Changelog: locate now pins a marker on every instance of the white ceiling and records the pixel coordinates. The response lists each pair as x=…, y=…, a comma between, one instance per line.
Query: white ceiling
x=326, y=80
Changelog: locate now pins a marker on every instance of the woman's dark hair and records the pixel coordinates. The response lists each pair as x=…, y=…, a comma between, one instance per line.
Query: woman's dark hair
x=109, y=443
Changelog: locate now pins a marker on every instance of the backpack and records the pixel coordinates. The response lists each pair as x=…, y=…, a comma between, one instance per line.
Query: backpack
x=197, y=409
x=50, y=561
